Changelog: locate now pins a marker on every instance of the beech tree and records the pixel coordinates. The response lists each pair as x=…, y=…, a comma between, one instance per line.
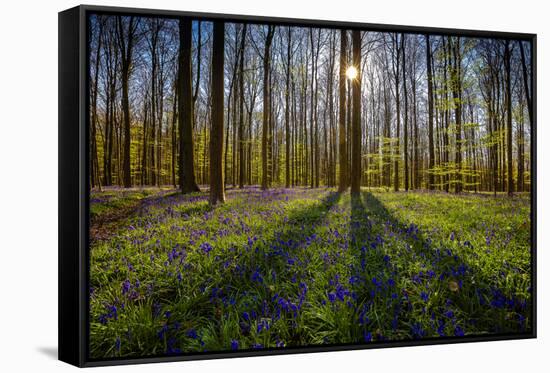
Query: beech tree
x=343, y=185
x=185, y=118
x=266, y=103
x=126, y=39
x=436, y=112
x=356, y=116
x=217, y=193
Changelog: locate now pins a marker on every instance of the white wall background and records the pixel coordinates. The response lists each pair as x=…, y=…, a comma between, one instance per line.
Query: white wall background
x=28, y=184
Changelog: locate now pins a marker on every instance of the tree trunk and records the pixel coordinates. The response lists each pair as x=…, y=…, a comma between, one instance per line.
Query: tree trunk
x=431, y=155
x=266, y=104
x=343, y=185
x=94, y=164
x=507, y=57
x=456, y=89
x=241, y=111
x=186, y=165
x=217, y=193
x=356, y=116
x=406, y=116
x=126, y=43
x=173, y=158
x=526, y=83
x=287, y=108
x=398, y=112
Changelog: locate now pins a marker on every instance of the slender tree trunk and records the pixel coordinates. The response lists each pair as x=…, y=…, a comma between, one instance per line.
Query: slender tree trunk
x=333, y=145
x=456, y=90
x=343, y=185
x=405, y=114
x=94, y=164
x=185, y=118
x=526, y=83
x=217, y=193
x=507, y=57
x=266, y=104
x=126, y=43
x=397, y=49
x=520, y=145
x=415, y=162
x=154, y=37
x=287, y=110
x=144, y=179
x=356, y=116
x=431, y=156
x=241, y=111
x=173, y=158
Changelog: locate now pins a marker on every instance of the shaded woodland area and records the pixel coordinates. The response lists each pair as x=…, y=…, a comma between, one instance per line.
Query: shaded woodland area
x=192, y=103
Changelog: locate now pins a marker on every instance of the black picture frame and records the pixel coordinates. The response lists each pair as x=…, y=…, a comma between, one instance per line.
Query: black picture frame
x=74, y=187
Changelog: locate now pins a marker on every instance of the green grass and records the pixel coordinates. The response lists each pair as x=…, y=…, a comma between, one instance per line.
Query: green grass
x=296, y=267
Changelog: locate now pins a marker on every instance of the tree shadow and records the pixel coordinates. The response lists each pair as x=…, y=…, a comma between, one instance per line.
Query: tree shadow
x=380, y=240
x=272, y=262
x=298, y=231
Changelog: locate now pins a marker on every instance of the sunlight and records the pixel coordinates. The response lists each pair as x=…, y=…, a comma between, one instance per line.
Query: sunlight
x=351, y=72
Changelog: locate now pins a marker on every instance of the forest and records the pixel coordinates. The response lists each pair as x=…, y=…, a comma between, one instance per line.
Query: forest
x=268, y=185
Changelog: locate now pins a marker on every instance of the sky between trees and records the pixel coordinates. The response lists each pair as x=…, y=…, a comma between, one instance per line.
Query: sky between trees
x=190, y=103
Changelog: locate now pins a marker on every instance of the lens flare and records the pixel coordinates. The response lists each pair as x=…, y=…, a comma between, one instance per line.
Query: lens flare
x=351, y=72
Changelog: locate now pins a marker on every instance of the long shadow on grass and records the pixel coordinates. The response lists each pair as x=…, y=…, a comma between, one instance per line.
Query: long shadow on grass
x=279, y=262
x=399, y=268
x=296, y=233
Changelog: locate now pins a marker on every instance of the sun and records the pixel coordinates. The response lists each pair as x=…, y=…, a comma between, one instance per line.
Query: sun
x=351, y=72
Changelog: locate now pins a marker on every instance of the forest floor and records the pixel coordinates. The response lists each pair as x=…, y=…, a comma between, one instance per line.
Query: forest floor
x=297, y=267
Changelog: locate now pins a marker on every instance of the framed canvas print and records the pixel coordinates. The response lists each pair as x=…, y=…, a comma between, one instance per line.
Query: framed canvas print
x=234, y=186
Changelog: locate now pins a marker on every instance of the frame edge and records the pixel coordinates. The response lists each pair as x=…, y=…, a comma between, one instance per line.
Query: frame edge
x=69, y=213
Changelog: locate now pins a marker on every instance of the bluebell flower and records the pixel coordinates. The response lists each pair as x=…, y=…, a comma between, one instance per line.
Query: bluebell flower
x=449, y=313
x=441, y=328
x=499, y=300
x=424, y=296
x=162, y=332
x=206, y=247
x=192, y=333
x=257, y=277
x=354, y=280
x=103, y=319
x=234, y=344
x=113, y=312
x=126, y=285
x=170, y=349
x=394, y=323
x=245, y=327
x=376, y=282
x=367, y=336
x=417, y=331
